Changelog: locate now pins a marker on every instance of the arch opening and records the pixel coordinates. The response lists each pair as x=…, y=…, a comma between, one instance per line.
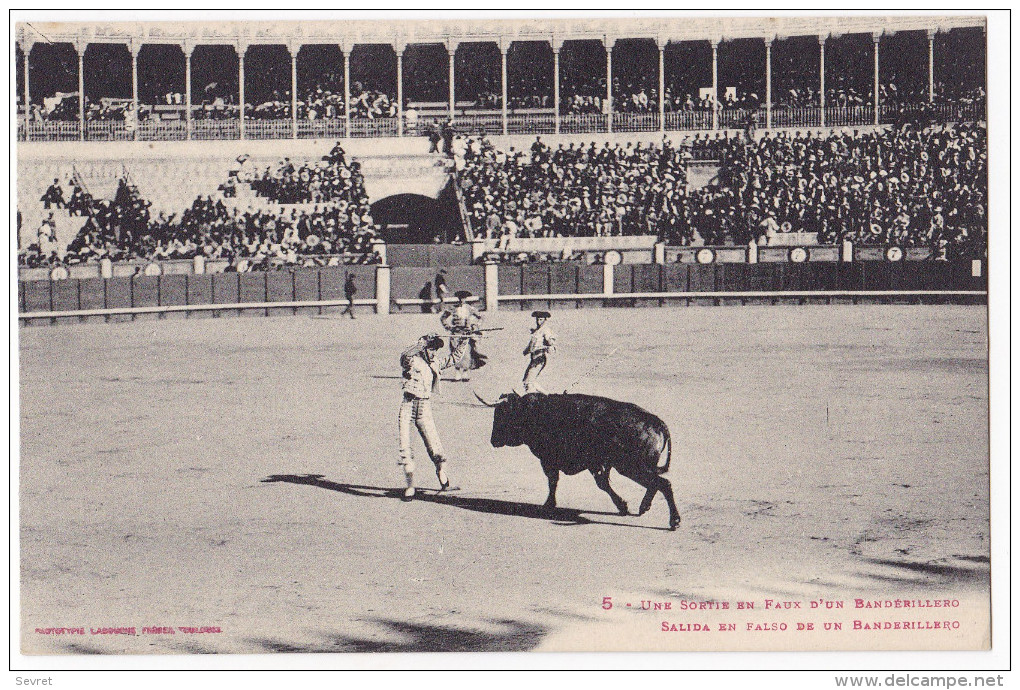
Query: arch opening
x=417, y=219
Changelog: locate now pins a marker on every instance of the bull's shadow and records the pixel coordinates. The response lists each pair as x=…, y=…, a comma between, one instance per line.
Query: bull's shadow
x=493, y=506
x=408, y=636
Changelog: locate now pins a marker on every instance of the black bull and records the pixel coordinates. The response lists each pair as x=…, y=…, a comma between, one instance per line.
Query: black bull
x=571, y=433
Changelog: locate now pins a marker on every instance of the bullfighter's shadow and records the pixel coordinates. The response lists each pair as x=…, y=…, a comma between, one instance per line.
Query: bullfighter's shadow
x=494, y=506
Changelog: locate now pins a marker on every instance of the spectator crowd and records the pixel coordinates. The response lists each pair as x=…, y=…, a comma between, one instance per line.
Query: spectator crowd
x=316, y=229
x=571, y=190
x=331, y=179
x=906, y=185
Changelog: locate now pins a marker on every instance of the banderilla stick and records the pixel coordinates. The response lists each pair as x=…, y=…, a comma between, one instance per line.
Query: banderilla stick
x=473, y=334
x=592, y=370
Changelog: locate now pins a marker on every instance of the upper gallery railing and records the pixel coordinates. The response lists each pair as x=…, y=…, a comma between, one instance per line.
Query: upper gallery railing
x=492, y=123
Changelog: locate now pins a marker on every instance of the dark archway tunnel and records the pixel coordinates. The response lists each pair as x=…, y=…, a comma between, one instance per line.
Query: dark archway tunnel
x=417, y=219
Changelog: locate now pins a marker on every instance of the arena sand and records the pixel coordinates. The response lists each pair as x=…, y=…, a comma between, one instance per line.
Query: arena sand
x=240, y=474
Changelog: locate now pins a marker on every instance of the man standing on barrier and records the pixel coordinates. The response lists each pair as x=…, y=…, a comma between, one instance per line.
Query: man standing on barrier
x=421, y=372
x=542, y=342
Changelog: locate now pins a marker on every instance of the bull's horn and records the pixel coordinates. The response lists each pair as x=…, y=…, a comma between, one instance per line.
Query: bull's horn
x=483, y=400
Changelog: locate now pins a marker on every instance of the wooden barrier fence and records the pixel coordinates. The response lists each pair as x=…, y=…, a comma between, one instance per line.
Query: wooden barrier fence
x=384, y=289
x=303, y=290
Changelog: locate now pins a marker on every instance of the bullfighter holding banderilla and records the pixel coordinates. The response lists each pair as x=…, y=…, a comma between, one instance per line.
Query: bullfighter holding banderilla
x=462, y=322
x=421, y=371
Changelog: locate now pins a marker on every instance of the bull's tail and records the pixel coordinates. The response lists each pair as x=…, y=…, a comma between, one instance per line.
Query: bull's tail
x=668, y=447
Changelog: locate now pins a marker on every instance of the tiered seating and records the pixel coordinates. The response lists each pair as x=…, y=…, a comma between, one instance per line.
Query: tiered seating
x=292, y=212
x=905, y=185
x=572, y=191
x=191, y=179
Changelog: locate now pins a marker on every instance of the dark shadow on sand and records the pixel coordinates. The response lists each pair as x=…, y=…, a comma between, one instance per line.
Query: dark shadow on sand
x=493, y=506
x=974, y=559
x=517, y=636
x=79, y=648
x=935, y=574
